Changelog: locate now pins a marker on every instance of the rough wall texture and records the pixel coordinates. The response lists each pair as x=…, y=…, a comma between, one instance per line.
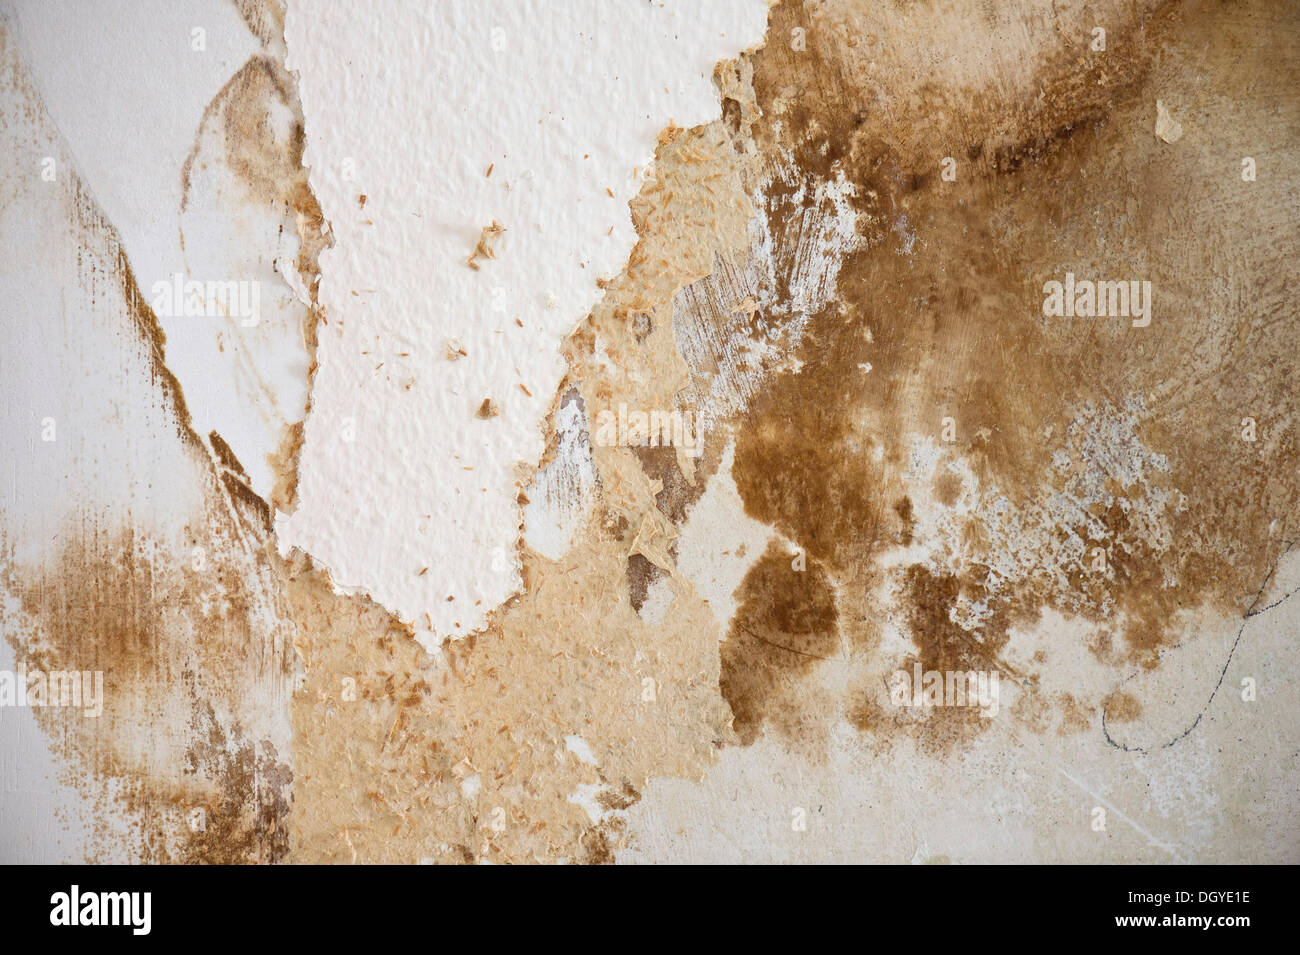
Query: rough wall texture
x=959, y=344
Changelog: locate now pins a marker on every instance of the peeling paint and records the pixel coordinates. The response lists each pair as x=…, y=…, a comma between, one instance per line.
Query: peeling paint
x=426, y=609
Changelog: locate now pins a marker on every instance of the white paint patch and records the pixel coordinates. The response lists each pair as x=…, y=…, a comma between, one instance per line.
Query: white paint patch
x=658, y=601
x=585, y=796
x=471, y=785
x=397, y=474
x=578, y=747
x=720, y=542
x=562, y=493
x=127, y=88
x=1168, y=129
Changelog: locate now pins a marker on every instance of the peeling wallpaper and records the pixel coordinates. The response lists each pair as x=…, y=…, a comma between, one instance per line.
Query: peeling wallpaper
x=620, y=432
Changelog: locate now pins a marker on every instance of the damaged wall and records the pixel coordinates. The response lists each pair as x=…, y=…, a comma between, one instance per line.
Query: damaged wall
x=395, y=573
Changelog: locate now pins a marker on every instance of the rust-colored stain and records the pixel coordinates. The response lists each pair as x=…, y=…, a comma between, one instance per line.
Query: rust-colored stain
x=952, y=303
x=785, y=624
x=930, y=456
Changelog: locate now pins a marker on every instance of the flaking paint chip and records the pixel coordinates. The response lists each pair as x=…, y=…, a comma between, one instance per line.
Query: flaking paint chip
x=486, y=247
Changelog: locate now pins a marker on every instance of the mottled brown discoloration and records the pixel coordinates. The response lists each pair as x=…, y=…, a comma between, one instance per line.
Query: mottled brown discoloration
x=265, y=20
x=1068, y=439
x=1122, y=707
x=182, y=652
x=785, y=624
x=245, y=820
x=402, y=756
x=168, y=595
x=284, y=493
x=1056, y=170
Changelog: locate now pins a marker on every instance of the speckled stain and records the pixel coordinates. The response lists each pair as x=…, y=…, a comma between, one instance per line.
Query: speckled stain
x=175, y=603
x=927, y=452
x=187, y=636
x=1119, y=439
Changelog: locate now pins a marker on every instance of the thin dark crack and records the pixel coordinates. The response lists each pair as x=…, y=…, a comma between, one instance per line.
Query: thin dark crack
x=1253, y=610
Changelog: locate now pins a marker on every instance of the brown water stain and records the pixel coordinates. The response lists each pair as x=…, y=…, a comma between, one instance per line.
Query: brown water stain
x=181, y=657
x=1057, y=171
x=941, y=299
x=168, y=597
x=785, y=624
